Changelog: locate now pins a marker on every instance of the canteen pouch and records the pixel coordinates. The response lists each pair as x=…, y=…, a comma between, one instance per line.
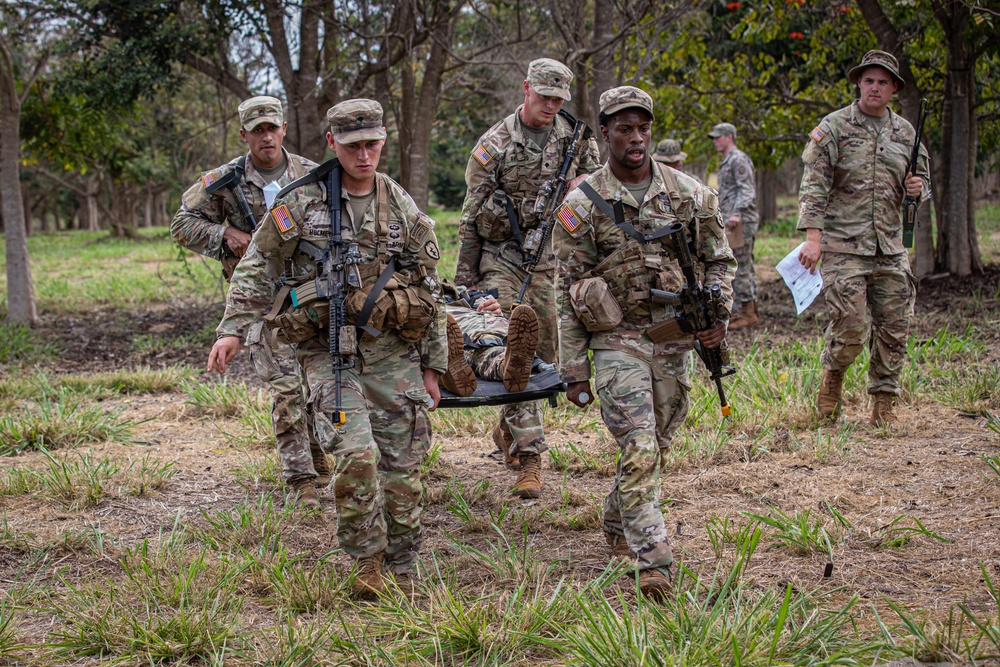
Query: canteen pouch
x=409, y=311
x=492, y=222
x=595, y=305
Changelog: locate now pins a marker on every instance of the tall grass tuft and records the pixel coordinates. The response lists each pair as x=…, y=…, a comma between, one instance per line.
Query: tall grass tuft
x=63, y=421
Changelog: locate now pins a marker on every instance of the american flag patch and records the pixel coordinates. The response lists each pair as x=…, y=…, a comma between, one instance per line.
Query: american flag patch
x=482, y=155
x=207, y=179
x=817, y=134
x=282, y=219
x=569, y=219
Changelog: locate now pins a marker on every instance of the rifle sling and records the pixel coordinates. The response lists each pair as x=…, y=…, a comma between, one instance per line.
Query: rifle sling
x=512, y=218
x=317, y=174
x=617, y=215
x=369, y=305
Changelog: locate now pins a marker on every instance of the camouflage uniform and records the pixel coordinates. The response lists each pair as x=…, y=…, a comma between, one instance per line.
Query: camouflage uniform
x=489, y=257
x=485, y=339
x=852, y=189
x=738, y=196
x=377, y=485
x=199, y=226
x=643, y=386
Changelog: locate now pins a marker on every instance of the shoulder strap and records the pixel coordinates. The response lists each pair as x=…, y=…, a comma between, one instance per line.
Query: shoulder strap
x=617, y=214
x=317, y=174
x=381, y=216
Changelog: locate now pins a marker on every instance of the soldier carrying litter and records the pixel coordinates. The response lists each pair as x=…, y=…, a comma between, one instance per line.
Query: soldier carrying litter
x=218, y=214
x=371, y=395
x=608, y=239
x=510, y=176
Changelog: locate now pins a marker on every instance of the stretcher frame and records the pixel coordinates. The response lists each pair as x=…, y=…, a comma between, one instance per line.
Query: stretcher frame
x=543, y=384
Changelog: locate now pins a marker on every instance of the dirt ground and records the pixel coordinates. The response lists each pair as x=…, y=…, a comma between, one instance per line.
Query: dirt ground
x=926, y=468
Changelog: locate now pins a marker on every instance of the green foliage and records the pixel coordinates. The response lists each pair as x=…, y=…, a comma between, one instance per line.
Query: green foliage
x=219, y=399
x=800, y=532
x=896, y=534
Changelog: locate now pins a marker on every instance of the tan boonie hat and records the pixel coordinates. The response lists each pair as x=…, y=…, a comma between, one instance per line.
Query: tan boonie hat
x=550, y=77
x=625, y=97
x=258, y=110
x=356, y=120
x=669, y=150
x=875, y=58
x=721, y=129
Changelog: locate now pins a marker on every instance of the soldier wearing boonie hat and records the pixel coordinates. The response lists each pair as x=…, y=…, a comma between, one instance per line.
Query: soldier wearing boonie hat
x=212, y=221
x=640, y=375
x=850, y=212
x=506, y=172
x=669, y=152
x=356, y=120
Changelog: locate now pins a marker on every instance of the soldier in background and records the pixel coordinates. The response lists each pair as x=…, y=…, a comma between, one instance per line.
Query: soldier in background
x=508, y=167
x=738, y=203
x=213, y=222
x=850, y=212
x=385, y=396
x=605, y=308
x=669, y=153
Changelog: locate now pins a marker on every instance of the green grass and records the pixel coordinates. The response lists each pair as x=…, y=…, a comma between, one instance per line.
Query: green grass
x=79, y=272
x=64, y=420
x=20, y=344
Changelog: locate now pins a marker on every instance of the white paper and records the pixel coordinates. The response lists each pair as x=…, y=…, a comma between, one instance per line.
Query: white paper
x=804, y=285
x=271, y=190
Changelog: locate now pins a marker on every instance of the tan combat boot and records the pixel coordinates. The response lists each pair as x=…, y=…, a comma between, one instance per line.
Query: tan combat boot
x=529, y=482
x=747, y=316
x=304, y=493
x=618, y=545
x=460, y=378
x=522, y=339
x=503, y=440
x=882, y=404
x=368, y=576
x=324, y=473
x=655, y=584
x=831, y=394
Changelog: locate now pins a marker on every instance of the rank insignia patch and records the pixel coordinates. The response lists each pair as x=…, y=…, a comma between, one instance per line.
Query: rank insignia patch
x=569, y=219
x=207, y=179
x=283, y=219
x=482, y=155
x=817, y=134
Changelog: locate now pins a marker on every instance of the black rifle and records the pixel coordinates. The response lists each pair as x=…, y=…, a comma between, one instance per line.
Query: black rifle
x=549, y=196
x=697, y=308
x=338, y=270
x=234, y=181
x=910, y=203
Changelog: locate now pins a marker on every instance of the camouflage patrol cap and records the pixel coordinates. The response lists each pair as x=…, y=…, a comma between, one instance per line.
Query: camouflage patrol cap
x=625, y=97
x=876, y=58
x=258, y=110
x=722, y=129
x=550, y=77
x=356, y=120
x=668, y=151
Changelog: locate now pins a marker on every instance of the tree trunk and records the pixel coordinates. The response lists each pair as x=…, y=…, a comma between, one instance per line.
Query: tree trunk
x=405, y=120
x=20, y=290
x=767, y=195
x=603, y=66
x=427, y=106
x=954, y=249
